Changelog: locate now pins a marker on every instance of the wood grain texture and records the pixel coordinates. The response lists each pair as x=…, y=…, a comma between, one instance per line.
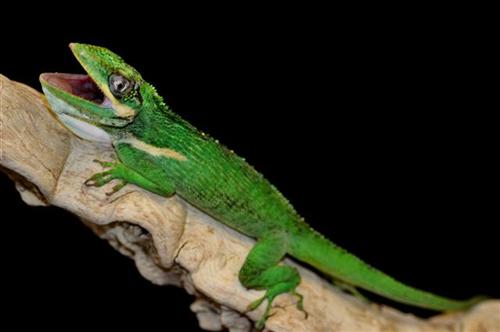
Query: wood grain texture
x=173, y=243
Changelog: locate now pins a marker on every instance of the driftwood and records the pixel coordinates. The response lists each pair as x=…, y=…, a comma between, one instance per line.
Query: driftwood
x=174, y=244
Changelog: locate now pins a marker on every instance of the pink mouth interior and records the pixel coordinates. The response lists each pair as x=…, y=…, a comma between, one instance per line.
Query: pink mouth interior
x=76, y=84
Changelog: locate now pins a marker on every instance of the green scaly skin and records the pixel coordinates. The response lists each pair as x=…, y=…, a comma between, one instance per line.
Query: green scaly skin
x=161, y=152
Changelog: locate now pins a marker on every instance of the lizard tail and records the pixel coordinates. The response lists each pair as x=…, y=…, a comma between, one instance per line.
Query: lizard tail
x=329, y=258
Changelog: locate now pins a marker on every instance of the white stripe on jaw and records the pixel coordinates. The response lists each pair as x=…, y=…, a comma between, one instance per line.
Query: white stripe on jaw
x=152, y=150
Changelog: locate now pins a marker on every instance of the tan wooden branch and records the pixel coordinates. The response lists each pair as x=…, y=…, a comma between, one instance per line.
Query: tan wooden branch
x=173, y=243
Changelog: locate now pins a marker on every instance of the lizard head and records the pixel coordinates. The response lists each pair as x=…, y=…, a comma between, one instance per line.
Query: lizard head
x=95, y=104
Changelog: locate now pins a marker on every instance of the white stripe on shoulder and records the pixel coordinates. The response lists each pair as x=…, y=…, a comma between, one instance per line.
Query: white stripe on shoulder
x=153, y=150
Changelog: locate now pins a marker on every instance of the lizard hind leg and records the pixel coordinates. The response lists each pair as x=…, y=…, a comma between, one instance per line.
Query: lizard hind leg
x=261, y=271
x=351, y=289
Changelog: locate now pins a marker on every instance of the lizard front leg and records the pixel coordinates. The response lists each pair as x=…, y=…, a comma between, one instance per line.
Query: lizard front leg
x=119, y=171
x=136, y=167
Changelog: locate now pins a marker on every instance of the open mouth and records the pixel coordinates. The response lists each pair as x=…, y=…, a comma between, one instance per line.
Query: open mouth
x=79, y=85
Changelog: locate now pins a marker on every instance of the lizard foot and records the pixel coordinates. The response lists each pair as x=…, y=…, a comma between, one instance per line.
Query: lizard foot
x=117, y=171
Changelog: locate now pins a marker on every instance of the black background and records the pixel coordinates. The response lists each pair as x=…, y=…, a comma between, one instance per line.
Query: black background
x=379, y=131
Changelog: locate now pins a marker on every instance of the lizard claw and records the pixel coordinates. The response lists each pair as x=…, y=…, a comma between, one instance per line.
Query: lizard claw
x=300, y=303
x=255, y=304
x=99, y=179
x=116, y=188
x=105, y=163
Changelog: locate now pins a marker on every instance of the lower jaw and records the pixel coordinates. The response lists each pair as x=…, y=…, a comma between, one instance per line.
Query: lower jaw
x=84, y=129
x=79, y=127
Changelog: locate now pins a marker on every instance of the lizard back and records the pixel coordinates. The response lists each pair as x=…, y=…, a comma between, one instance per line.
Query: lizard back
x=212, y=177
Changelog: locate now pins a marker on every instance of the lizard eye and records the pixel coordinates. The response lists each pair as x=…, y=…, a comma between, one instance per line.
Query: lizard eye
x=119, y=85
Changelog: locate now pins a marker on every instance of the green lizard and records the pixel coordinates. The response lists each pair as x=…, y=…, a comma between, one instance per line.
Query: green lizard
x=159, y=151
